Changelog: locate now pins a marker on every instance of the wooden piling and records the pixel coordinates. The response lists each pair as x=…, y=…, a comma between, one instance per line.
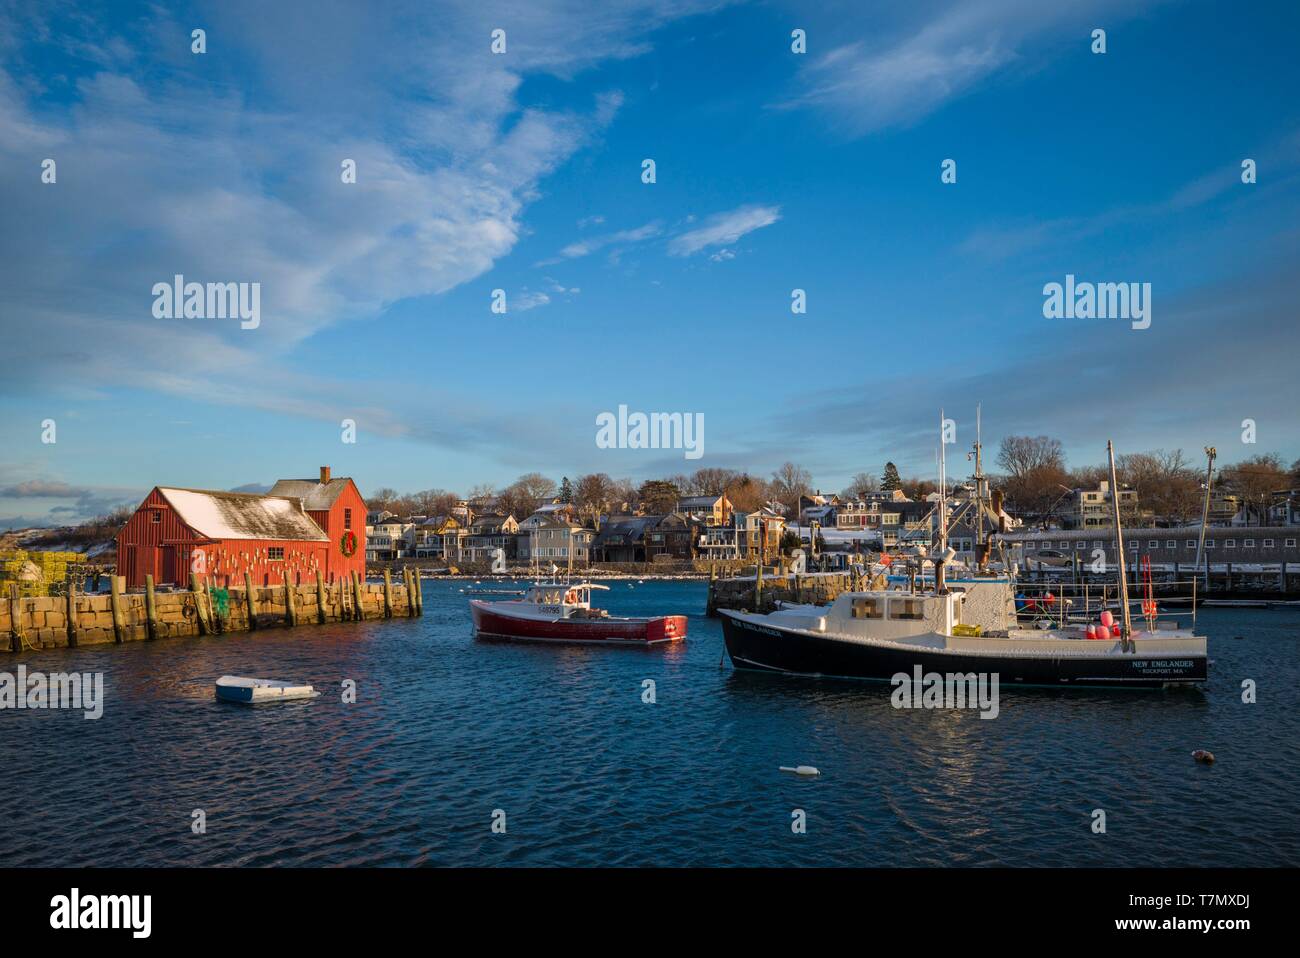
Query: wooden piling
x=217, y=623
x=150, y=608
x=250, y=601
x=388, y=594
x=72, y=613
x=290, y=609
x=200, y=611
x=320, y=598
x=758, y=587
x=16, y=636
x=359, y=611
x=410, y=593
x=115, y=603
x=419, y=591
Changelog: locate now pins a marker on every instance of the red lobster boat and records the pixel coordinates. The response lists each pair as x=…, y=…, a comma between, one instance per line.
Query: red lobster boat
x=558, y=612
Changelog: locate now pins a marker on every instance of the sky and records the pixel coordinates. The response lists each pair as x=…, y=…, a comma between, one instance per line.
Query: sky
x=523, y=171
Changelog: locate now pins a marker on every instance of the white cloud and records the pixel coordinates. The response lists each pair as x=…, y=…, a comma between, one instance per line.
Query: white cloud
x=529, y=300
x=901, y=72
x=723, y=229
x=594, y=243
x=168, y=163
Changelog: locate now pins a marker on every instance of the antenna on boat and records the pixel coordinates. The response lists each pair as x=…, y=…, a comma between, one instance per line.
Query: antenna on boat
x=1126, y=638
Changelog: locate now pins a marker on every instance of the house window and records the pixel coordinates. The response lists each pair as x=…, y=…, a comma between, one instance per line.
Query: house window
x=1230, y=544
x=155, y=516
x=868, y=608
x=1153, y=544
x=1290, y=543
x=1191, y=543
x=1268, y=543
x=1065, y=545
x=905, y=609
x=1171, y=543
x=1248, y=544
x=347, y=518
x=275, y=553
x=1209, y=543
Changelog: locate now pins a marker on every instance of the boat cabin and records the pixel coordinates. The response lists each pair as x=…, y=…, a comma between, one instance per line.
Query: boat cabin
x=562, y=598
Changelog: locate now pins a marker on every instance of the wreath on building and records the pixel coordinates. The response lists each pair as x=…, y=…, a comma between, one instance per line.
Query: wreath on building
x=348, y=544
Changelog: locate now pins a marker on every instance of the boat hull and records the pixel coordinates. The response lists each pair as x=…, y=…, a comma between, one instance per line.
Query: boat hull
x=490, y=622
x=774, y=649
x=255, y=691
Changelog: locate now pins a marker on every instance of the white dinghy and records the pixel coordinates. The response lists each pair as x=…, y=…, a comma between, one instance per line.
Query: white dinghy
x=232, y=688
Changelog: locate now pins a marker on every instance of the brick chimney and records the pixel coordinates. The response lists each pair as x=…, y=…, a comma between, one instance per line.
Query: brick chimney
x=324, y=474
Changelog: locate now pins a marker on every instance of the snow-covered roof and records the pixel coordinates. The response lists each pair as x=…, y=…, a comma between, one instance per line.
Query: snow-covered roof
x=238, y=515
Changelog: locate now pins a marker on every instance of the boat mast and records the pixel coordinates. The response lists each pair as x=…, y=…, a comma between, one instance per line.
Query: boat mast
x=1210, y=454
x=1126, y=637
x=980, y=551
x=940, y=581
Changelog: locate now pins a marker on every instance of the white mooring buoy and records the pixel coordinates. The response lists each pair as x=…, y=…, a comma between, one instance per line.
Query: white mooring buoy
x=801, y=770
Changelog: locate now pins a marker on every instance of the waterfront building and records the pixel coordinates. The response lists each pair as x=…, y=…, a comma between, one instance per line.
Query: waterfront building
x=711, y=510
x=1165, y=548
x=386, y=540
x=223, y=535
x=1091, y=508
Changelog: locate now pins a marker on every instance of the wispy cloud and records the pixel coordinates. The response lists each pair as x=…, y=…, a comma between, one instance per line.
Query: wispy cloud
x=904, y=72
x=592, y=244
x=724, y=229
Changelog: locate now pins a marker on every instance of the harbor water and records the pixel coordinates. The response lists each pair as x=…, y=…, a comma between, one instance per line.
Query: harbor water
x=449, y=734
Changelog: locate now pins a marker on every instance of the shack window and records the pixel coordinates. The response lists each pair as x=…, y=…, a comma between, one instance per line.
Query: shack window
x=347, y=518
x=155, y=516
x=905, y=609
x=275, y=553
x=868, y=609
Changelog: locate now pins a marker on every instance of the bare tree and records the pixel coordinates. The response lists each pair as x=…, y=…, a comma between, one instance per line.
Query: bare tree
x=746, y=493
x=1035, y=472
x=593, y=494
x=710, y=481
x=862, y=484
x=382, y=499
x=789, y=483
x=1255, y=480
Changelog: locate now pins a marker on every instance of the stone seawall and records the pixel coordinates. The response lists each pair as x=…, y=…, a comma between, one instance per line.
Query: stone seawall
x=761, y=593
x=59, y=622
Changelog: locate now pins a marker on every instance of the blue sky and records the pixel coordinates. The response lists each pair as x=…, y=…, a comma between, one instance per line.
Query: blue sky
x=522, y=172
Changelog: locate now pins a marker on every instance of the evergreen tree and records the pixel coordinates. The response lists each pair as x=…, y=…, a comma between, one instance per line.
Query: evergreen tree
x=890, y=481
x=566, y=490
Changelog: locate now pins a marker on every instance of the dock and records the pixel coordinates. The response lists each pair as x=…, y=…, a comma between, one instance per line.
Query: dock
x=73, y=619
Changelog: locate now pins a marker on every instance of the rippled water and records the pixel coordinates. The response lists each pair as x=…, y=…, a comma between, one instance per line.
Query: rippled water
x=447, y=729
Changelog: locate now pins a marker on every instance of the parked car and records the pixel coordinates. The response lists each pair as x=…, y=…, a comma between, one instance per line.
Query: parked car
x=1050, y=558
